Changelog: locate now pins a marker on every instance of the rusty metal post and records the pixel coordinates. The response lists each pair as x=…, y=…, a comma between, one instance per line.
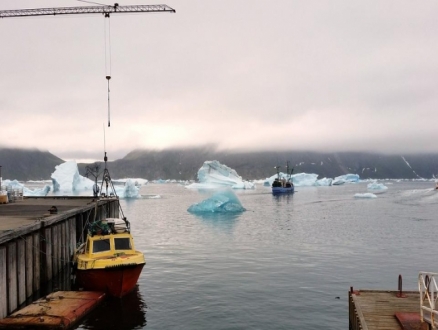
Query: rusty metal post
x=400, y=287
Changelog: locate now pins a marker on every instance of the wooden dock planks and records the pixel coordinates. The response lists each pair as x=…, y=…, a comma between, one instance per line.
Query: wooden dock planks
x=58, y=310
x=376, y=309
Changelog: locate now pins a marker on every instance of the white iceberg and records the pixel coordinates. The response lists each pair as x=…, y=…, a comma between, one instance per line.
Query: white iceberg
x=130, y=190
x=324, y=182
x=365, y=195
x=299, y=179
x=66, y=179
x=304, y=179
x=224, y=201
x=347, y=178
x=37, y=191
x=137, y=181
x=213, y=175
x=376, y=186
x=12, y=184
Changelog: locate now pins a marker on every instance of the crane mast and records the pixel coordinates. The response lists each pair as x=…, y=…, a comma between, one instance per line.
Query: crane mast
x=106, y=10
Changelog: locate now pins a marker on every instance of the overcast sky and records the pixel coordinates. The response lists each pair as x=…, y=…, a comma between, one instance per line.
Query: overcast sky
x=247, y=74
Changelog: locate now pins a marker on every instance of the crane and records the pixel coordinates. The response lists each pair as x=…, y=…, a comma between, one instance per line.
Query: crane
x=106, y=10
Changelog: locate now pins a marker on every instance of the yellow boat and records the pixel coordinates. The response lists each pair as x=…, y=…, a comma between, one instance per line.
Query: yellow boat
x=108, y=261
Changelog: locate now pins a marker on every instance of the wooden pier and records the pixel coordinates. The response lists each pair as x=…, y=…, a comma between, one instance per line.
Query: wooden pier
x=385, y=310
x=37, y=244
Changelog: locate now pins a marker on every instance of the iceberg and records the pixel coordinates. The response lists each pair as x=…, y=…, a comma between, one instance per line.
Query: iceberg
x=12, y=184
x=376, y=186
x=347, y=178
x=299, y=179
x=66, y=179
x=224, y=201
x=324, y=182
x=137, y=181
x=15, y=185
x=37, y=191
x=365, y=195
x=213, y=175
x=130, y=190
x=304, y=179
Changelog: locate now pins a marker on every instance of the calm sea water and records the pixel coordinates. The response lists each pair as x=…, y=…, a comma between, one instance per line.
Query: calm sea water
x=286, y=263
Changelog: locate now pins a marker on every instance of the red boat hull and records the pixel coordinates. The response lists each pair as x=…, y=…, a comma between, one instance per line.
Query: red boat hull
x=116, y=281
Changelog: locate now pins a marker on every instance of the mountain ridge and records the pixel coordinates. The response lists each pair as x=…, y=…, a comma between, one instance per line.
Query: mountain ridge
x=183, y=163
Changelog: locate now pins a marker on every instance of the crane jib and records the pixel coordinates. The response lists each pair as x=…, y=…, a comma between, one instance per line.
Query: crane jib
x=86, y=10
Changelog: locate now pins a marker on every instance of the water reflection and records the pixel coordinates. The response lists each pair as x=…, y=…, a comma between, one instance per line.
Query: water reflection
x=283, y=198
x=125, y=313
x=224, y=221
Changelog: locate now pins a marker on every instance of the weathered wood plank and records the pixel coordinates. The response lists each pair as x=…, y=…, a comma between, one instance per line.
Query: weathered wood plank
x=55, y=250
x=36, y=239
x=72, y=235
x=3, y=283
x=64, y=244
x=29, y=265
x=21, y=270
x=12, y=276
x=47, y=250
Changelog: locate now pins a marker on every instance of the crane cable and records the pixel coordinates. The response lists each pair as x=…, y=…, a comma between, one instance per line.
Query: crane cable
x=108, y=58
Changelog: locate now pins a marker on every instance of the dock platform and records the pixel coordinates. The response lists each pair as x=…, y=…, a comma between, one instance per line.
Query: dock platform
x=385, y=310
x=58, y=310
x=28, y=211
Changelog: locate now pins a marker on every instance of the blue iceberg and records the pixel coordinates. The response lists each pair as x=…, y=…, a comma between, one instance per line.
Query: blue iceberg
x=365, y=195
x=224, y=201
x=347, y=178
x=129, y=190
x=376, y=186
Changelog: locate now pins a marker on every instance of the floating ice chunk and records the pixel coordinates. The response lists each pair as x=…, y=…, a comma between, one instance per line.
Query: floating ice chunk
x=304, y=179
x=37, y=191
x=346, y=178
x=66, y=179
x=13, y=184
x=131, y=190
x=137, y=181
x=324, y=182
x=376, y=186
x=213, y=175
x=365, y=195
x=224, y=201
x=299, y=179
x=159, y=181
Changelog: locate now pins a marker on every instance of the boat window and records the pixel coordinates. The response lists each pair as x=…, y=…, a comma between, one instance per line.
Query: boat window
x=122, y=243
x=101, y=245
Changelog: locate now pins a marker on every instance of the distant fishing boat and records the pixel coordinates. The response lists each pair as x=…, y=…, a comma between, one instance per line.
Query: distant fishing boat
x=283, y=185
x=107, y=261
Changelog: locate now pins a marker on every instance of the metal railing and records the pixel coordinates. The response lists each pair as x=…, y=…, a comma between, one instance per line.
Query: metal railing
x=428, y=289
x=13, y=193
